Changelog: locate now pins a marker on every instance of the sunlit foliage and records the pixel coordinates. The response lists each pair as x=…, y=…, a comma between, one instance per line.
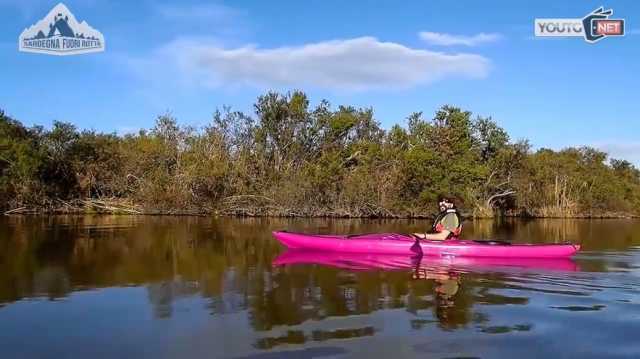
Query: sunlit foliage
x=294, y=159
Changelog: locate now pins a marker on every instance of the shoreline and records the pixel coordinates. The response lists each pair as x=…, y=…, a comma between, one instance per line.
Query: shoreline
x=28, y=212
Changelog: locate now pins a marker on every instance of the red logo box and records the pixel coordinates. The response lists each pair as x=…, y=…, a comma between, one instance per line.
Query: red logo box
x=609, y=27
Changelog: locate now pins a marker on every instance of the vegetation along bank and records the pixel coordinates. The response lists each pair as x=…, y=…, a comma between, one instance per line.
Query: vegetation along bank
x=292, y=159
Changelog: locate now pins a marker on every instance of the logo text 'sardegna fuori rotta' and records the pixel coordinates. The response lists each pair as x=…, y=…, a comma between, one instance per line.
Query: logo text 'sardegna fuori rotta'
x=59, y=33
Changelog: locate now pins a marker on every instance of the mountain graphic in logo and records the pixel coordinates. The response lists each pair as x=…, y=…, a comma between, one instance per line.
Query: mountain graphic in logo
x=59, y=33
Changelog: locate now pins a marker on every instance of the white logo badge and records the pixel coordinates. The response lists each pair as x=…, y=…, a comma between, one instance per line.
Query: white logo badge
x=594, y=27
x=59, y=33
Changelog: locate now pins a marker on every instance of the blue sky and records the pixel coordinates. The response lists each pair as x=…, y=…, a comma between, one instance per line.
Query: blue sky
x=192, y=57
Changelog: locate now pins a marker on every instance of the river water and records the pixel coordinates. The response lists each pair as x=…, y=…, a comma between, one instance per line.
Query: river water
x=181, y=287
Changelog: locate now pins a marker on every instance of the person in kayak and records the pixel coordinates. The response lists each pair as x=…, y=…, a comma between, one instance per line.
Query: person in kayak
x=447, y=224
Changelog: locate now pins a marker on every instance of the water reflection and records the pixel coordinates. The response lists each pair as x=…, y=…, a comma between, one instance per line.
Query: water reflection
x=163, y=295
x=299, y=336
x=446, y=286
x=197, y=273
x=317, y=352
x=432, y=283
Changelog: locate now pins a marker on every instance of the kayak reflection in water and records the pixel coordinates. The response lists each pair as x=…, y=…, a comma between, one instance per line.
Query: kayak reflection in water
x=439, y=277
x=447, y=225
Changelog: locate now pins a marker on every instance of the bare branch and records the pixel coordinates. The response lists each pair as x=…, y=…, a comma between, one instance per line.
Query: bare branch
x=499, y=195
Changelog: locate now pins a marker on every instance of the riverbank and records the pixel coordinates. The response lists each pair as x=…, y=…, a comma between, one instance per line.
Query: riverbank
x=81, y=207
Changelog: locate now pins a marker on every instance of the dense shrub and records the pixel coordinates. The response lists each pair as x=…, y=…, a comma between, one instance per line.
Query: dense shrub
x=293, y=159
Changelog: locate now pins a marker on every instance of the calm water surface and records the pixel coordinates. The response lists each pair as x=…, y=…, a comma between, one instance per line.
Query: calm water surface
x=179, y=287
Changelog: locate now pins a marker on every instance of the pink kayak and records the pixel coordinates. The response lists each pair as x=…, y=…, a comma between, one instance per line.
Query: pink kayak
x=392, y=262
x=393, y=243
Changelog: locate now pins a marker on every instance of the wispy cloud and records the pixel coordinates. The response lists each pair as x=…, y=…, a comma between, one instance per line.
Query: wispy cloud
x=629, y=151
x=27, y=9
x=444, y=39
x=210, y=19
x=210, y=12
x=126, y=130
x=356, y=64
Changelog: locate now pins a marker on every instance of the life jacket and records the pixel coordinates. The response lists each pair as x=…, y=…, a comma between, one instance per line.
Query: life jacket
x=439, y=227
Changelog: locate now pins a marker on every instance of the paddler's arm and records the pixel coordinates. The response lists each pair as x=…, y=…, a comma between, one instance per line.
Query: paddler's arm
x=440, y=236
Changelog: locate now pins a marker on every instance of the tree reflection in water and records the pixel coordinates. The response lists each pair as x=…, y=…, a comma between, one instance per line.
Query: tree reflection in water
x=228, y=263
x=352, y=284
x=213, y=281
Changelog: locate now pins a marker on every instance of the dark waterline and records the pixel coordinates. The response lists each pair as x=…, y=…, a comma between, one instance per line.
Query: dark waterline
x=178, y=287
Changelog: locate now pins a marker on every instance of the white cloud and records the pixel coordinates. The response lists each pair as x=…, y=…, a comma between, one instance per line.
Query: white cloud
x=353, y=64
x=126, y=130
x=629, y=151
x=210, y=19
x=443, y=39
